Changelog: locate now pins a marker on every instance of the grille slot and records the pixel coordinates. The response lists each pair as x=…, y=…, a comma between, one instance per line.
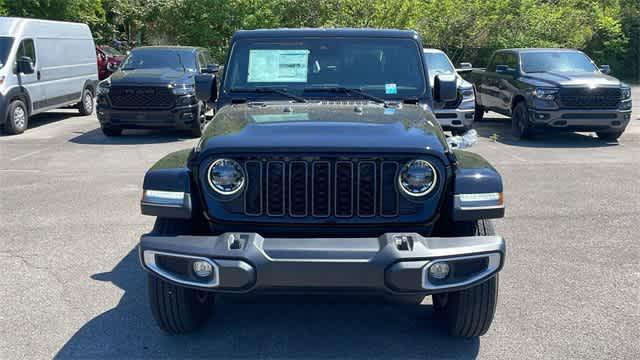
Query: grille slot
x=585, y=98
x=140, y=97
x=321, y=188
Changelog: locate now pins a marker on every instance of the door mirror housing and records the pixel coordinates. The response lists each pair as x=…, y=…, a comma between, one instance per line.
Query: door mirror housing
x=445, y=88
x=504, y=69
x=206, y=87
x=25, y=65
x=605, y=69
x=211, y=69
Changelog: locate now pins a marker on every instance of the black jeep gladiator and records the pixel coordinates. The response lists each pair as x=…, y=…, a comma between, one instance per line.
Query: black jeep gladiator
x=323, y=171
x=154, y=88
x=554, y=88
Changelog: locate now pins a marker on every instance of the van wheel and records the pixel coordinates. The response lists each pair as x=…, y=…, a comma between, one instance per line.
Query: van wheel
x=86, y=103
x=111, y=130
x=17, y=118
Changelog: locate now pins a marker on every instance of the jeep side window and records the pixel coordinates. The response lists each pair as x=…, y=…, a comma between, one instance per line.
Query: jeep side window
x=202, y=60
x=27, y=48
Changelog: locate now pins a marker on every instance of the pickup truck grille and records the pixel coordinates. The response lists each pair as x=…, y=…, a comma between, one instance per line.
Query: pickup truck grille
x=141, y=97
x=586, y=98
x=321, y=188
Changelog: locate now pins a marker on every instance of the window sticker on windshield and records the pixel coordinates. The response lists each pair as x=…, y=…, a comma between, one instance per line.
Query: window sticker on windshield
x=390, y=89
x=389, y=111
x=269, y=66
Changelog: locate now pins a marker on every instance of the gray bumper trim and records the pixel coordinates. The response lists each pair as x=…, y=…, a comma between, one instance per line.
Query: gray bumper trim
x=344, y=264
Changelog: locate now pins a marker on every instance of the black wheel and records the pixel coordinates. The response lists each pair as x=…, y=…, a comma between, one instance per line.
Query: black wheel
x=85, y=106
x=111, y=130
x=469, y=312
x=177, y=309
x=479, y=110
x=200, y=123
x=17, y=118
x=461, y=130
x=609, y=136
x=520, y=124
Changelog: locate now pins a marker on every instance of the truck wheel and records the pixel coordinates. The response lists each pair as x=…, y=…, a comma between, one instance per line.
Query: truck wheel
x=17, y=118
x=520, y=125
x=111, y=130
x=469, y=312
x=176, y=309
x=609, y=136
x=478, y=113
x=199, y=124
x=85, y=106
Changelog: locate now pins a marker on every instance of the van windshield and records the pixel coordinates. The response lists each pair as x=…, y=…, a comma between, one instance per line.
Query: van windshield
x=5, y=48
x=174, y=59
x=383, y=67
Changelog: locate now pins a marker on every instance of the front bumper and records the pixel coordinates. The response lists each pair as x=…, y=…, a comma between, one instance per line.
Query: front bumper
x=585, y=120
x=396, y=263
x=181, y=117
x=454, y=118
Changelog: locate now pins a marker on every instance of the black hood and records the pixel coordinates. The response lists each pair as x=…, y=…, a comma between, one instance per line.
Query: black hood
x=557, y=79
x=151, y=77
x=323, y=127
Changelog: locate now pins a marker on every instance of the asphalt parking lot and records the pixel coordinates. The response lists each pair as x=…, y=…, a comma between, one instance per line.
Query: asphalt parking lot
x=71, y=285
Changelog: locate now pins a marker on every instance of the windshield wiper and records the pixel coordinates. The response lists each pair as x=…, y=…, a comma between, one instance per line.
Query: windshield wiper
x=271, y=90
x=345, y=90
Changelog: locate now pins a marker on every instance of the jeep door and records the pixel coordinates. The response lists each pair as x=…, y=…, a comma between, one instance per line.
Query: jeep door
x=32, y=83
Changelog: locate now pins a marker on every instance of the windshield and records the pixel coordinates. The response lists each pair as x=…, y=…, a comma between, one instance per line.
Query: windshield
x=387, y=68
x=110, y=51
x=557, y=61
x=5, y=48
x=178, y=60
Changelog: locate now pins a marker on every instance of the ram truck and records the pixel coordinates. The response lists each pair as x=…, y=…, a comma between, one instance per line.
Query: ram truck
x=155, y=88
x=456, y=115
x=552, y=88
x=323, y=170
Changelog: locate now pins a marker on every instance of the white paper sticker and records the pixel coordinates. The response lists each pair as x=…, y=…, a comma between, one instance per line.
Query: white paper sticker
x=275, y=66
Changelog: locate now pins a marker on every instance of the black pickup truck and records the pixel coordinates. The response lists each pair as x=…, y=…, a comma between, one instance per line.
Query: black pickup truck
x=557, y=88
x=324, y=170
x=154, y=88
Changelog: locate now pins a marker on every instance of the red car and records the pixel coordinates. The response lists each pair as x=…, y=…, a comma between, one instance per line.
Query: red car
x=108, y=60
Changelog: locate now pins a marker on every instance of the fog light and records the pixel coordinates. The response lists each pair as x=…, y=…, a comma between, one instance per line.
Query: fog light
x=439, y=270
x=202, y=268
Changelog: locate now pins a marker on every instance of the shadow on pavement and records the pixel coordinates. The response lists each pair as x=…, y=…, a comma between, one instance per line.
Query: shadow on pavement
x=46, y=118
x=303, y=327
x=498, y=129
x=130, y=137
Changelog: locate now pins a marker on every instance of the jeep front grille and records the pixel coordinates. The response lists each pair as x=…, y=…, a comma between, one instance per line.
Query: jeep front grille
x=141, y=97
x=586, y=98
x=321, y=188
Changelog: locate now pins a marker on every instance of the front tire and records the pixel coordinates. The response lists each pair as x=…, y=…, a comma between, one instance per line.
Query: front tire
x=177, y=309
x=111, y=130
x=609, y=136
x=17, y=118
x=200, y=123
x=520, y=124
x=85, y=107
x=469, y=312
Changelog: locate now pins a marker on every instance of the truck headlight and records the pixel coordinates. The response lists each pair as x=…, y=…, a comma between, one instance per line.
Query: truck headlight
x=226, y=176
x=103, y=87
x=625, y=93
x=548, y=94
x=183, y=90
x=417, y=178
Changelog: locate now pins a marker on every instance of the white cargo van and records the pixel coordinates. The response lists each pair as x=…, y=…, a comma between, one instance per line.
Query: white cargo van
x=44, y=65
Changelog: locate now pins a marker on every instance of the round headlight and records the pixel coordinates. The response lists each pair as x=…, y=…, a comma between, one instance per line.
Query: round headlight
x=226, y=176
x=417, y=178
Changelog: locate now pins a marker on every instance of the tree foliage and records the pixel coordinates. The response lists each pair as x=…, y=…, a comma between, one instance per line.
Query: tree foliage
x=609, y=30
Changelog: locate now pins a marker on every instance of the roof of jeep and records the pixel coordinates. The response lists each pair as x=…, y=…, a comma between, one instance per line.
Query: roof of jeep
x=325, y=32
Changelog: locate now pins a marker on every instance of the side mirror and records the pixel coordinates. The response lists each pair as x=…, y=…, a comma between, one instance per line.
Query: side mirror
x=445, y=88
x=206, y=87
x=211, y=69
x=465, y=67
x=25, y=65
x=504, y=69
x=605, y=69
